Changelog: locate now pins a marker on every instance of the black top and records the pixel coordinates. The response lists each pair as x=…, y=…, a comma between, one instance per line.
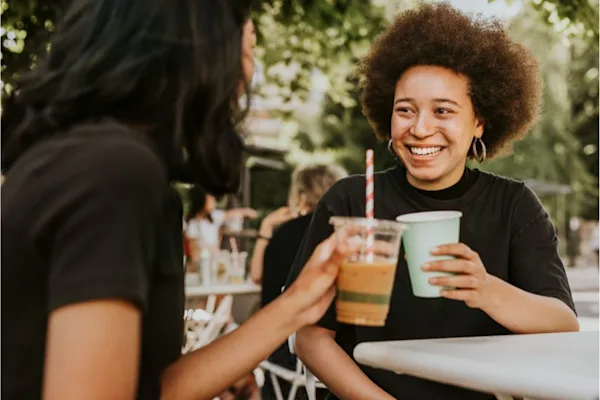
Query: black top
x=503, y=221
x=279, y=256
x=89, y=214
x=277, y=263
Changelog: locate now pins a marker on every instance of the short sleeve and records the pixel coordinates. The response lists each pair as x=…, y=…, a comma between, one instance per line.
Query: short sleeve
x=535, y=265
x=192, y=230
x=218, y=217
x=318, y=230
x=102, y=225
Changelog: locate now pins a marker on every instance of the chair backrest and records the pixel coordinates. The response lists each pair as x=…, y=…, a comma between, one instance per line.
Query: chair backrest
x=216, y=323
x=310, y=379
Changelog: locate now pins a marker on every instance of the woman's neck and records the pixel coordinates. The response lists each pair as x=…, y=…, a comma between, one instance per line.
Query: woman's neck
x=440, y=184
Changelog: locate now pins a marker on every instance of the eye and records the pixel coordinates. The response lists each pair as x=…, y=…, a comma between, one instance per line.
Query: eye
x=403, y=110
x=443, y=111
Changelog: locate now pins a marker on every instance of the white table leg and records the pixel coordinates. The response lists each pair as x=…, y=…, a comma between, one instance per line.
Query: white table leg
x=503, y=397
x=276, y=387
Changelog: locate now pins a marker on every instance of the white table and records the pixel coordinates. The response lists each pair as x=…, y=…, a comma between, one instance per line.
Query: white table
x=212, y=291
x=214, y=317
x=554, y=366
x=221, y=289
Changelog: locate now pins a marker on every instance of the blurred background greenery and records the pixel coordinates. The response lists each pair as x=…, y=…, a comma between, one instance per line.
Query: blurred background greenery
x=306, y=100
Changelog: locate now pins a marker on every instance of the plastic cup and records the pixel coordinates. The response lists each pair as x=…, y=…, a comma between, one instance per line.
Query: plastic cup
x=365, y=282
x=427, y=230
x=237, y=267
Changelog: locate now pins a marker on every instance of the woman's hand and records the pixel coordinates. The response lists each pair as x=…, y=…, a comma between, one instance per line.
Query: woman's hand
x=471, y=282
x=314, y=289
x=275, y=218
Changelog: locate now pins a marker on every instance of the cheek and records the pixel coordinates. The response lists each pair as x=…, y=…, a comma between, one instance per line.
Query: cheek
x=248, y=68
x=399, y=126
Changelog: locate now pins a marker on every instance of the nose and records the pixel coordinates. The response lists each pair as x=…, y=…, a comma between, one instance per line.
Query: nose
x=423, y=127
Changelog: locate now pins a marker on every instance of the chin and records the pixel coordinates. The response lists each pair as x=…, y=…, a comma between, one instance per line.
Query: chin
x=425, y=174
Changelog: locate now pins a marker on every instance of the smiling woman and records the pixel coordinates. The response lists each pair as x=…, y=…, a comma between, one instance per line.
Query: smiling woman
x=444, y=87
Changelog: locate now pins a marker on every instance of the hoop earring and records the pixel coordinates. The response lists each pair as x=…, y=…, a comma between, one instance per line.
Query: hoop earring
x=479, y=156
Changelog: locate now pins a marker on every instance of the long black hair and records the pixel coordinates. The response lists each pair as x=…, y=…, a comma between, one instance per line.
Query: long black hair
x=171, y=68
x=197, y=202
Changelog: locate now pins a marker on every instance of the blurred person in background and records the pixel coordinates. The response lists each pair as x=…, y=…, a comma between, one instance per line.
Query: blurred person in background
x=204, y=221
x=131, y=97
x=279, y=238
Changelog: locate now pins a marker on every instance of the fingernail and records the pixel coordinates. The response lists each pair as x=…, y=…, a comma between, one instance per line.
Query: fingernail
x=426, y=266
x=433, y=281
x=435, y=250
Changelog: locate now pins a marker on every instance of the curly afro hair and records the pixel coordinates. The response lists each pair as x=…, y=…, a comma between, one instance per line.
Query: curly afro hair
x=504, y=78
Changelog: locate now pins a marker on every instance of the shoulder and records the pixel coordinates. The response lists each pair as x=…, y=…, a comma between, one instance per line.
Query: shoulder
x=517, y=197
x=89, y=164
x=512, y=190
x=352, y=185
x=294, y=226
x=106, y=154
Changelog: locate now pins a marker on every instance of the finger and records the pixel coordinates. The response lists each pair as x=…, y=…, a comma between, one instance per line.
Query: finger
x=461, y=295
x=455, y=249
x=322, y=253
x=458, y=281
x=457, y=265
x=385, y=249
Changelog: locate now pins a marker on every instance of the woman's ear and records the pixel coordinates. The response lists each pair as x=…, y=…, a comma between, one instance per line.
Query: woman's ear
x=479, y=127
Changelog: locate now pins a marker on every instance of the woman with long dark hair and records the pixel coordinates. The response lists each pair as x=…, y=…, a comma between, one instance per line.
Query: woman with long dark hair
x=132, y=96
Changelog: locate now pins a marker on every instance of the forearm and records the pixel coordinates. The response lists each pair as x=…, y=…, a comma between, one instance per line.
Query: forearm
x=208, y=371
x=524, y=312
x=239, y=212
x=324, y=358
x=256, y=264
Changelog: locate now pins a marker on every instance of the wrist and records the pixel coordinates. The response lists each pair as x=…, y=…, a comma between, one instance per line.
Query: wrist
x=293, y=308
x=266, y=230
x=492, y=298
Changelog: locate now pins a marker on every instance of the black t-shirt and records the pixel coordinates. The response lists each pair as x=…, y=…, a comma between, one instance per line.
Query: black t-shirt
x=277, y=263
x=89, y=214
x=503, y=221
x=279, y=256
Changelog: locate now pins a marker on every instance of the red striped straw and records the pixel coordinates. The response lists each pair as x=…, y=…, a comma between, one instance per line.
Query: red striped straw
x=370, y=206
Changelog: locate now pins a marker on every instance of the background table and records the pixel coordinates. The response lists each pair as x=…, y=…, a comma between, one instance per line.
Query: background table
x=554, y=366
x=221, y=289
x=212, y=291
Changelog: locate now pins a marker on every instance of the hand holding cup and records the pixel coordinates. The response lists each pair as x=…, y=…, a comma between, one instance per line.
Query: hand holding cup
x=471, y=280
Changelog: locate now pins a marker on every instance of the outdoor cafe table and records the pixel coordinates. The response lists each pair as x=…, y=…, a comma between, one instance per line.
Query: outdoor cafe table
x=213, y=290
x=221, y=289
x=552, y=366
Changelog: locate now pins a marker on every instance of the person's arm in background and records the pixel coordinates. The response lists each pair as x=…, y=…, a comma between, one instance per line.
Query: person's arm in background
x=316, y=344
x=265, y=233
x=244, y=212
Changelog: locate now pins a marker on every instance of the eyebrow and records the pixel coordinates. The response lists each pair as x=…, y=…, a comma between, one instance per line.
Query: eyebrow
x=440, y=100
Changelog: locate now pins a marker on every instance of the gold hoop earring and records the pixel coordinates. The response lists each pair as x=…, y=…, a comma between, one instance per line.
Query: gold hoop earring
x=479, y=156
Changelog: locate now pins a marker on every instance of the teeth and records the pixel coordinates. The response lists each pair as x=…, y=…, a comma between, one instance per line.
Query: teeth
x=425, y=151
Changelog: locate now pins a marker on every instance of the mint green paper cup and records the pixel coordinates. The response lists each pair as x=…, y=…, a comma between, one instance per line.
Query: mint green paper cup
x=427, y=230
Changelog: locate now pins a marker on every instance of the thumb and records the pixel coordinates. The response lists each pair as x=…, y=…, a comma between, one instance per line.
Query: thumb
x=322, y=253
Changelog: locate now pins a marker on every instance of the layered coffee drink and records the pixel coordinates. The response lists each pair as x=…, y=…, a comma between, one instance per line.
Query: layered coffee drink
x=364, y=291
